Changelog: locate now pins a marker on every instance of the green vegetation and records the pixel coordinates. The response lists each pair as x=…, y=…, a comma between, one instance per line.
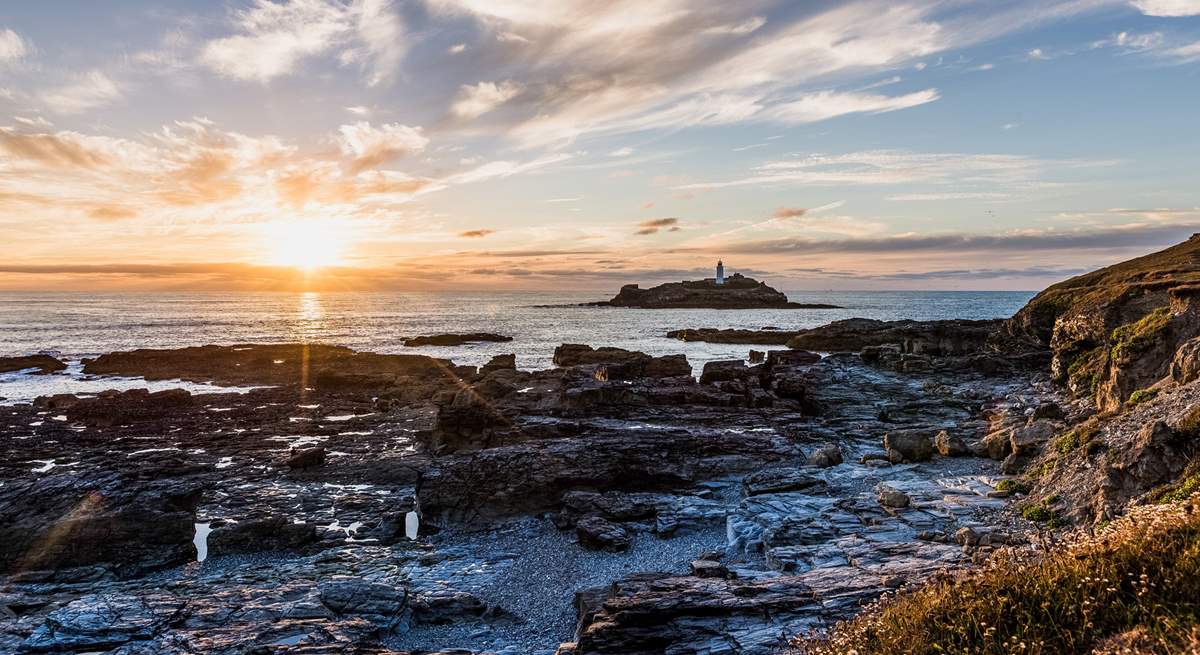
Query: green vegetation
x=1142, y=395
x=1132, y=584
x=1013, y=486
x=1133, y=339
x=1180, y=489
x=1037, y=513
x=1082, y=435
x=1086, y=371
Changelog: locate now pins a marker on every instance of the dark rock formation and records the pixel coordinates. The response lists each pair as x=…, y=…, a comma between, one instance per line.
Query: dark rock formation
x=306, y=458
x=110, y=408
x=931, y=338
x=621, y=364
x=455, y=339
x=751, y=337
x=738, y=292
x=103, y=622
x=43, y=364
x=279, y=364
x=597, y=533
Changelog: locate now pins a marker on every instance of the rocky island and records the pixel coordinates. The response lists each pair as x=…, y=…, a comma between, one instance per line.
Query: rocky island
x=720, y=292
x=345, y=502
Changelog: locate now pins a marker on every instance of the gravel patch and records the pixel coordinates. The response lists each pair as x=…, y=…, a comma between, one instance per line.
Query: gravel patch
x=539, y=587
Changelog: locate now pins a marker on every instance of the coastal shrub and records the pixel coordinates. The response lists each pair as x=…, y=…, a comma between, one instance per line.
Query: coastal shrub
x=1082, y=435
x=1142, y=395
x=1013, y=486
x=1137, y=576
x=1132, y=339
x=1037, y=513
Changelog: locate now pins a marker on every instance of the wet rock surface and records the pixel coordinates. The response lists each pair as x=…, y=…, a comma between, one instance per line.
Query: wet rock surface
x=43, y=364
x=467, y=509
x=455, y=339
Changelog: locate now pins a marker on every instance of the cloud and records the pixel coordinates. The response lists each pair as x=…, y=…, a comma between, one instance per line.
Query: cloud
x=621, y=152
x=738, y=29
x=954, y=195
x=35, y=122
x=359, y=110
x=111, y=213
x=888, y=167
x=476, y=234
x=1129, y=236
x=652, y=226
x=824, y=105
x=457, y=48
x=88, y=91
x=505, y=168
x=1168, y=8
x=12, y=47
x=271, y=38
x=476, y=100
x=789, y=212
x=371, y=146
x=62, y=150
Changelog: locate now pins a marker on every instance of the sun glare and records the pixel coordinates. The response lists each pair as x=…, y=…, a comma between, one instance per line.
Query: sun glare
x=305, y=245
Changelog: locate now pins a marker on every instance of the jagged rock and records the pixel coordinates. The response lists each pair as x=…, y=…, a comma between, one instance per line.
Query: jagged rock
x=893, y=498
x=703, y=568
x=111, y=408
x=381, y=604
x=929, y=338
x=306, y=458
x=499, y=363
x=1030, y=437
x=724, y=370
x=757, y=356
x=260, y=534
x=778, y=480
x=1185, y=366
x=596, y=533
x=1052, y=411
x=43, y=363
x=656, y=613
x=998, y=443
x=622, y=364
x=1154, y=457
x=790, y=358
x=825, y=456
x=455, y=339
x=912, y=445
x=104, y=621
x=950, y=445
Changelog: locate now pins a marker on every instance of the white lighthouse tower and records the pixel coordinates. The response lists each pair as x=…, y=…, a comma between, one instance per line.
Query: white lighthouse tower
x=720, y=272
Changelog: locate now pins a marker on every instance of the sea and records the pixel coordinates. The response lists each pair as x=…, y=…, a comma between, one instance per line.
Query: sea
x=72, y=326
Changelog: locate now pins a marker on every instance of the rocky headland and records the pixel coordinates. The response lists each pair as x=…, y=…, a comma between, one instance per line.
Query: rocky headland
x=737, y=292
x=351, y=502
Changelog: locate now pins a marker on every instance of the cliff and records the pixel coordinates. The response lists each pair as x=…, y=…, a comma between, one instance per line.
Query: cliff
x=738, y=292
x=1116, y=330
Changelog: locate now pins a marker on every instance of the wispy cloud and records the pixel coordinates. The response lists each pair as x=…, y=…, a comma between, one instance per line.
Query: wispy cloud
x=12, y=47
x=1168, y=8
x=653, y=226
x=88, y=91
x=371, y=146
x=475, y=234
x=476, y=100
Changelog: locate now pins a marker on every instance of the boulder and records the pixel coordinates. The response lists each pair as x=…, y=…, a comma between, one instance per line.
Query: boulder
x=825, y=456
x=703, y=568
x=1030, y=437
x=912, y=445
x=892, y=498
x=595, y=533
x=622, y=364
x=998, y=444
x=757, y=356
x=949, y=445
x=724, y=370
x=1051, y=410
x=790, y=358
x=306, y=458
x=381, y=604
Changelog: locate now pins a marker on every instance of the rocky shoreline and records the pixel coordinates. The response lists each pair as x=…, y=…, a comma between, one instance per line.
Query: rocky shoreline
x=352, y=502
x=650, y=485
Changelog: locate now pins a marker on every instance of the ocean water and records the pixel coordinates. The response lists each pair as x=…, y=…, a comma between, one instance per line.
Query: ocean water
x=75, y=325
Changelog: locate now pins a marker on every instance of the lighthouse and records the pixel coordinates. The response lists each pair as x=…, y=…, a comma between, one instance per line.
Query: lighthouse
x=720, y=272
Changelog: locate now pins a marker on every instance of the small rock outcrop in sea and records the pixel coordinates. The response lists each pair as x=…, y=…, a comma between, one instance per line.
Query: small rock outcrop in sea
x=456, y=339
x=43, y=364
x=762, y=337
x=737, y=292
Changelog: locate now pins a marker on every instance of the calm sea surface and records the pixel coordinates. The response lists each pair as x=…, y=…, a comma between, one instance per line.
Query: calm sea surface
x=74, y=325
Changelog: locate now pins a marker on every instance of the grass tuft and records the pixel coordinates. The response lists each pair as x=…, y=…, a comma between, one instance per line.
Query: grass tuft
x=1136, y=577
x=1142, y=395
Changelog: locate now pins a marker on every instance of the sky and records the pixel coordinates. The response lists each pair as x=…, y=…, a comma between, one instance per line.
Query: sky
x=575, y=144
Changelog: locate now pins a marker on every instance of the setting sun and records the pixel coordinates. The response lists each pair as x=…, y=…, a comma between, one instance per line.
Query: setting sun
x=305, y=245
